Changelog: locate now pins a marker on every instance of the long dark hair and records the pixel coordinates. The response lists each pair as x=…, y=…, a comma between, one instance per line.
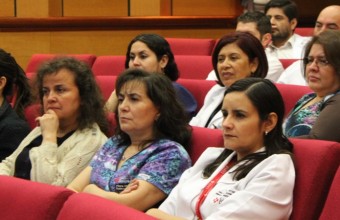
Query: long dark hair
x=250, y=45
x=17, y=83
x=171, y=123
x=266, y=98
x=160, y=46
x=91, y=108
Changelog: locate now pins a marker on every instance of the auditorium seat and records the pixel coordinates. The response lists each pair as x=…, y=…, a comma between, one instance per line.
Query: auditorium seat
x=23, y=199
x=198, y=88
x=316, y=162
x=287, y=62
x=31, y=112
x=201, y=139
x=194, y=67
x=191, y=46
x=89, y=207
x=37, y=59
x=107, y=84
x=108, y=65
x=304, y=31
x=331, y=209
x=291, y=94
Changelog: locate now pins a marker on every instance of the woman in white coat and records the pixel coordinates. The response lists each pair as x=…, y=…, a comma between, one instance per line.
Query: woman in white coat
x=253, y=177
x=236, y=56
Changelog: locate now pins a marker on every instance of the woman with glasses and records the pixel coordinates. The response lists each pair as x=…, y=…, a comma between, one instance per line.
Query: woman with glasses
x=315, y=116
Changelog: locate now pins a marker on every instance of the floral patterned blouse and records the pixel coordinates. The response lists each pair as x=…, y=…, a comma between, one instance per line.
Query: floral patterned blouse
x=161, y=164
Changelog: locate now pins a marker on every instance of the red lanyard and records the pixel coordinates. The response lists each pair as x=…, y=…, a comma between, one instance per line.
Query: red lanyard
x=211, y=185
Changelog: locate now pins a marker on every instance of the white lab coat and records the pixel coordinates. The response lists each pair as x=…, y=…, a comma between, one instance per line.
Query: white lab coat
x=213, y=98
x=265, y=193
x=294, y=74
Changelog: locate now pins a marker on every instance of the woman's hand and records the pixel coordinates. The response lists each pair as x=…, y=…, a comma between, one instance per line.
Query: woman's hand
x=49, y=124
x=133, y=185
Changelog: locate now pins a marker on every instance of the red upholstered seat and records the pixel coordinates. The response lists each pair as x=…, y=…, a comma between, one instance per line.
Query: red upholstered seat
x=31, y=112
x=23, y=199
x=106, y=84
x=191, y=46
x=304, y=31
x=291, y=94
x=287, y=62
x=316, y=162
x=37, y=59
x=89, y=207
x=194, y=67
x=198, y=88
x=202, y=138
x=331, y=209
x=109, y=65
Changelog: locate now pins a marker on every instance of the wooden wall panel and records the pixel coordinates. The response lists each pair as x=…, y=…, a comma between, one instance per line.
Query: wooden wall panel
x=150, y=7
x=95, y=7
x=39, y=8
x=23, y=44
x=204, y=7
x=7, y=8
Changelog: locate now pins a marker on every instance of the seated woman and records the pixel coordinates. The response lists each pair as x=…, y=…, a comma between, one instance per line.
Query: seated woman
x=253, y=177
x=315, y=116
x=69, y=130
x=236, y=56
x=147, y=146
x=152, y=53
x=13, y=83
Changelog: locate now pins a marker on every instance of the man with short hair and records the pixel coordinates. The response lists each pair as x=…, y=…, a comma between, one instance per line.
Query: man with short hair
x=283, y=17
x=258, y=24
x=329, y=18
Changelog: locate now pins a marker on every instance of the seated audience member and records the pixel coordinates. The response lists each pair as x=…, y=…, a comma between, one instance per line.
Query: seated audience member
x=316, y=114
x=147, y=146
x=152, y=53
x=328, y=19
x=13, y=83
x=69, y=130
x=236, y=56
x=253, y=176
x=258, y=24
x=285, y=43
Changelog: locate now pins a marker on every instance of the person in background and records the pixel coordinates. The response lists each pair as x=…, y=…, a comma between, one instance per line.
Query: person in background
x=14, y=84
x=258, y=24
x=152, y=53
x=148, y=145
x=69, y=130
x=236, y=56
x=315, y=116
x=253, y=176
x=283, y=15
x=328, y=19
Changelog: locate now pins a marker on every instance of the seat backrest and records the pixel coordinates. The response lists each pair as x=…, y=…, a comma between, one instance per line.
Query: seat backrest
x=191, y=46
x=331, y=209
x=194, y=67
x=198, y=88
x=291, y=94
x=304, y=31
x=316, y=162
x=31, y=113
x=106, y=84
x=201, y=139
x=287, y=62
x=38, y=59
x=109, y=65
x=23, y=199
x=88, y=207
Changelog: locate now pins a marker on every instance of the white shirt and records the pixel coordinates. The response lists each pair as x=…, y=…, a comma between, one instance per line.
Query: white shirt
x=211, y=101
x=293, y=74
x=275, y=69
x=292, y=49
x=265, y=193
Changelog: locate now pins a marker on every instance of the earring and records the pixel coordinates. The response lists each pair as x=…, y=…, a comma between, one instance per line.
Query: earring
x=265, y=133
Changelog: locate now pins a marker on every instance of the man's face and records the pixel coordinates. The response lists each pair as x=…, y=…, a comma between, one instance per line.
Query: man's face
x=328, y=19
x=282, y=28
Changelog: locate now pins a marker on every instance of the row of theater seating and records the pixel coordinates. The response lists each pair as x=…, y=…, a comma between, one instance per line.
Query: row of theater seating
x=190, y=66
x=316, y=193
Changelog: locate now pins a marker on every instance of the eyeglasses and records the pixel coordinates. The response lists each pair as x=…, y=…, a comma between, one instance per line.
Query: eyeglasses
x=319, y=61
